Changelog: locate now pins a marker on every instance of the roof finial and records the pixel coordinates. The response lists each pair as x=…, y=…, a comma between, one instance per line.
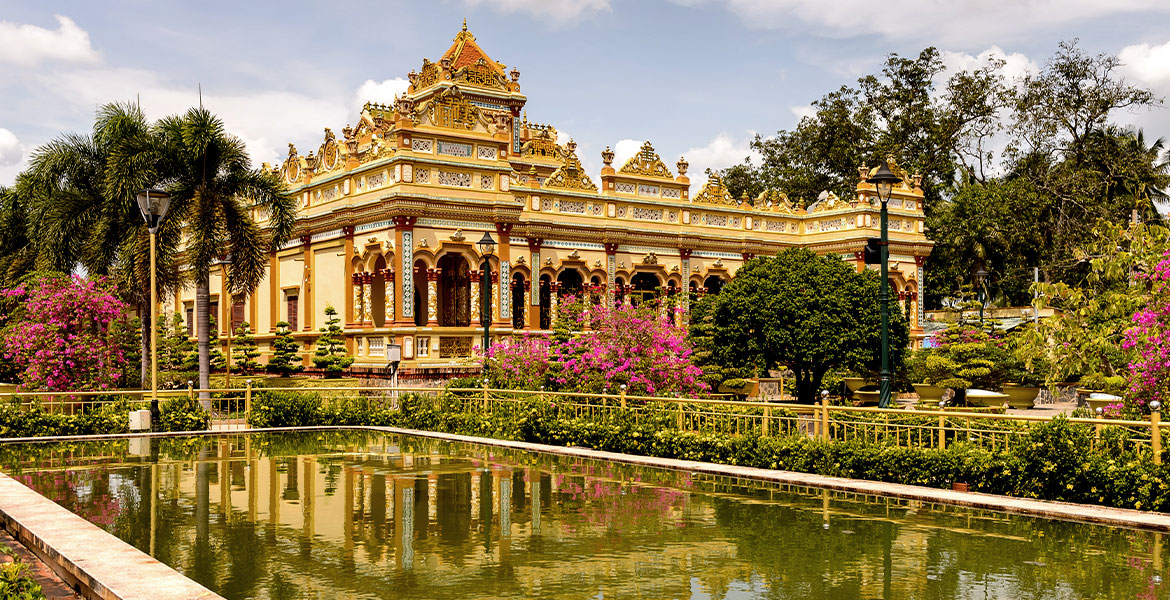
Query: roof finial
x=464, y=23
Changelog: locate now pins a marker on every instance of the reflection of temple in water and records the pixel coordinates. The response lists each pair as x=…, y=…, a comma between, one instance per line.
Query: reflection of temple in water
x=387, y=516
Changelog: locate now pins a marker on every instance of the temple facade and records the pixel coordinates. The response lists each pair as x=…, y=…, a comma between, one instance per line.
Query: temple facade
x=391, y=214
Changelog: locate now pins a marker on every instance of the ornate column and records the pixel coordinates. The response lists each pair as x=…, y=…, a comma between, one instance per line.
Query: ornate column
x=433, y=297
x=495, y=300
x=533, y=320
x=475, y=310
x=388, y=275
x=307, y=288
x=684, y=256
x=357, y=283
x=610, y=271
x=503, y=283
x=367, y=296
x=404, y=243
x=553, y=302
x=349, y=314
x=919, y=312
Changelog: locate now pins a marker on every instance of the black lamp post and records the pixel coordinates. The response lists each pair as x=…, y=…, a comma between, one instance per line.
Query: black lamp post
x=487, y=246
x=884, y=181
x=153, y=203
x=981, y=292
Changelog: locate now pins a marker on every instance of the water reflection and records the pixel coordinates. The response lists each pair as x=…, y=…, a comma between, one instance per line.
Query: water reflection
x=357, y=515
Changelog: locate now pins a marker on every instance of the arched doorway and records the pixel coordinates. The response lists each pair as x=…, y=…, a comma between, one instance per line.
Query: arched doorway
x=571, y=283
x=646, y=287
x=378, y=293
x=545, y=302
x=619, y=292
x=454, y=291
x=420, y=293
x=519, y=300
x=714, y=284
x=595, y=291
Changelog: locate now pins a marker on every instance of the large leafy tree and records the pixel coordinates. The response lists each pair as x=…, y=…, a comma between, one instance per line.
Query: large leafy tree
x=803, y=311
x=77, y=205
x=215, y=189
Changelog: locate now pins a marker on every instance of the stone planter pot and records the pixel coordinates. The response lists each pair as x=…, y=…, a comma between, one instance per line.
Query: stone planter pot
x=1019, y=396
x=929, y=394
x=1097, y=400
x=985, y=398
x=867, y=397
x=751, y=390
x=854, y=383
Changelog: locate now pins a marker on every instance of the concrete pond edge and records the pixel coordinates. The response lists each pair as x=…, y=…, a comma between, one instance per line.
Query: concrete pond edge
x=100, y=565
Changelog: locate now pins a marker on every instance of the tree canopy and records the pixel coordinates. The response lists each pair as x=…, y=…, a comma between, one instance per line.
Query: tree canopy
x=807, y=312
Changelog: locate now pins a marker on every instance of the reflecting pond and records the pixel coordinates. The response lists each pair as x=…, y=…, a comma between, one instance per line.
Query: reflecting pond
x=367, y=515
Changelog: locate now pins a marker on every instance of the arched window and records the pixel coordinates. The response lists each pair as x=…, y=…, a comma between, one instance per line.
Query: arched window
x=420, y=293
x=545, y=302
x=646, y=287
x=595, y=293
x=571, y=283
x=714, y=284
x=378, y=293
x=619, y=293
x=454, y=291
x=519, y=300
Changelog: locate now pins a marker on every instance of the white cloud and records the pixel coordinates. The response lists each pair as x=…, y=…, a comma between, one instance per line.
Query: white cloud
x=958, y=23
x=801, y=112
x=11, y=152
x=26, y=45
x=556, y=11
x=624, y=149
x=382, y=92
x=1016, y=65
x=721, y=152
x=1147, y=64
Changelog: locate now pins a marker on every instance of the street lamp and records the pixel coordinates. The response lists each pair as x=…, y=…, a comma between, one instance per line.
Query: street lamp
x=153, y=203
x=487, y=246
x=231, y=304
x=393, y=359
x=884, y=181
x=981, y=292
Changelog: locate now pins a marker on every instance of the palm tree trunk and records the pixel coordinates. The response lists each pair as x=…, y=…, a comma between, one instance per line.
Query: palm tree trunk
x=145, y=344
x=203, y=319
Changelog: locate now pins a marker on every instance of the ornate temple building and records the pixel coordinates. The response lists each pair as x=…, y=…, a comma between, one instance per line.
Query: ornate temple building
x=391, y=213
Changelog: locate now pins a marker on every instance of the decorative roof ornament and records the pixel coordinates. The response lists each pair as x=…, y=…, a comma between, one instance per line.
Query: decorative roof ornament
x=650, y=259
x=682, y=165
x=775, y=201
x=898, y=170
x=714, y=192
x=646, y=162
x=606, y=156
x=574, y=255
x=826, y=200
x=458, y=236
x=570, y=175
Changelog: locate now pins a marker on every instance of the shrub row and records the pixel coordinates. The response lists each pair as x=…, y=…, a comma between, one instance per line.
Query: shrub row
x=179, y=414
x=1054, y=461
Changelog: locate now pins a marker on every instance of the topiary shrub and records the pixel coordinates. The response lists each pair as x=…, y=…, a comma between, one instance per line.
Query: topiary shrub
x=182, y=414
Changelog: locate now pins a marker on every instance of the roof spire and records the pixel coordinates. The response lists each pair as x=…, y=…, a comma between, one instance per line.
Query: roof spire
x=464, y=23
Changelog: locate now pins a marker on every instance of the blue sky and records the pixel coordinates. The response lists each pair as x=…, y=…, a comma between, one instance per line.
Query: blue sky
x=696, y=77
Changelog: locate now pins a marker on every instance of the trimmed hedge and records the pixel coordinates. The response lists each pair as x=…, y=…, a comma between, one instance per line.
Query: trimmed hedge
x=1052, y=462
x=179, y=414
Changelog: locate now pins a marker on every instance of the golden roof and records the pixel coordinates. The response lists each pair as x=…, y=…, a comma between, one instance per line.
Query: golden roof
x=646, y=162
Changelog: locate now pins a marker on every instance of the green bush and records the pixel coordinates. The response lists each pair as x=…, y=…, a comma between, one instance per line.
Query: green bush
x=182, y=414
x=1053, y=461
x=15, y=581
x=91, y=420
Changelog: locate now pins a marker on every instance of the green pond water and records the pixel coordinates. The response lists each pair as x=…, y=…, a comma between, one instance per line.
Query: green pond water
x=366, y=515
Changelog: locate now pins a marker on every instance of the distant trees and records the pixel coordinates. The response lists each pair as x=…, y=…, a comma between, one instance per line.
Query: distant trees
x=1063, y=163
x=331, y=355
x=806, y=312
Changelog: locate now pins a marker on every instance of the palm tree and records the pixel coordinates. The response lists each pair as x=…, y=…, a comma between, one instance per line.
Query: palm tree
x=78, y=196
x=17, y=255
x=214, y=190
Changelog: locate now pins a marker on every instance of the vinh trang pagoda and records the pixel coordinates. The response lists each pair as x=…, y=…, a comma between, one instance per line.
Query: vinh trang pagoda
x=391, y=214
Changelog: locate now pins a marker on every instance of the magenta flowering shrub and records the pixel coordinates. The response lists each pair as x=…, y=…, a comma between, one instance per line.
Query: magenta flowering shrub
x=62, y=335
x=1149, y=338
x=644, y=348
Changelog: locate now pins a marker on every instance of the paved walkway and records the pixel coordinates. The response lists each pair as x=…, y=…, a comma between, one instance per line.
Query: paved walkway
x=51, y=585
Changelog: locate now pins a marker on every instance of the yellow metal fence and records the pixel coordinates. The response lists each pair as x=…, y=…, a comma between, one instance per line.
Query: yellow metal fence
x=907, y=427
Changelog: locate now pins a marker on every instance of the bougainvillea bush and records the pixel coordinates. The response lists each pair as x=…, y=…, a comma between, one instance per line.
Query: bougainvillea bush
x=63, y=333
x=1149, y=338
x=599, y=348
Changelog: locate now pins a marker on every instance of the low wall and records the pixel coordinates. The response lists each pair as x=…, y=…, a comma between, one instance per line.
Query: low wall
x=85, y=557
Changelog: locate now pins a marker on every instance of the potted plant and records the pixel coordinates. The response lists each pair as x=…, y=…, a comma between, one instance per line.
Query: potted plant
x=1024, y=381
x=967, y=358
x=915, y=371
x=1098, y=390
